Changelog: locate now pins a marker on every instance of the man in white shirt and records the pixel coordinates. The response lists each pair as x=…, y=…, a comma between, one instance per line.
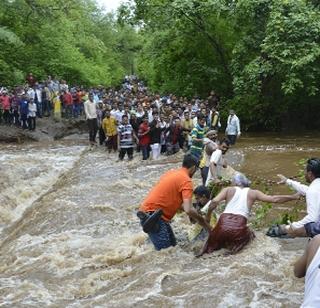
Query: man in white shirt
x=305, y=226
x=91, y=116
x=217, y=161
x=117, y=114
x=308, y=266
x=38, y=100
x=210, y=145
x=233, y=127
x=31, y=93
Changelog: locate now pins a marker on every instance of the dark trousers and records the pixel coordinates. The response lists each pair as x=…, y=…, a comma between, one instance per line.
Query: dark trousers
x=76, y=110
x=312, y=228
x=15, y=118
x=232, y=139
x=39, y=109
x=6, y=116
x=123, y=152
x=164, y=237
x=93, y=129
x=46, y=108
x=24, y=119
x=69, y=111
x=102, y=136
x=112, y=143
x=145, y=151
x=204, y=174
x=32, y=123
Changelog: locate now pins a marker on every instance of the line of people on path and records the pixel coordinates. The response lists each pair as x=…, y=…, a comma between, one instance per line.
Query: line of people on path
x=170, y=123
x=22, y=105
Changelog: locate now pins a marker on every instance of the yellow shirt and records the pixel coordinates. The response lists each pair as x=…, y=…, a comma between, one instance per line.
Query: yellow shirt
x=57, y=107
x=109, y=126
x=187, y=124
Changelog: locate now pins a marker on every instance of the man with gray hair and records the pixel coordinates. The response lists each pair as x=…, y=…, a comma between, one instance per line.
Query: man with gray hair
x=231, y=230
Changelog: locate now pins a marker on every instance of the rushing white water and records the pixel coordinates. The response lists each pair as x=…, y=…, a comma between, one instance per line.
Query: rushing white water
x=27, y=174
x=80, y=244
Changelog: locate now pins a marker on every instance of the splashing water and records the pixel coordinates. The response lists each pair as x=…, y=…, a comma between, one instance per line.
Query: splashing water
x=71, y=239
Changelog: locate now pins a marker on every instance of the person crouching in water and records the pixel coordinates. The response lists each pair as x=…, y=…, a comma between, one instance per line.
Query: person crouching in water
x=231, y=230
x=203, y=201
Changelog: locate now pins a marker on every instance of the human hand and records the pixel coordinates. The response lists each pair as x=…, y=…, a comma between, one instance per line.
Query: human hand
x=296, y=196
x=283, y=179
x=217, y=181
x=208, y=227
x=207, y=219
x=239, y=134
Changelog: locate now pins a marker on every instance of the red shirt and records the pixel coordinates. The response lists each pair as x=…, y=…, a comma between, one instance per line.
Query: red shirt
x=67, y=98
x=145, y=139
x=5, y=102
x=78, y=97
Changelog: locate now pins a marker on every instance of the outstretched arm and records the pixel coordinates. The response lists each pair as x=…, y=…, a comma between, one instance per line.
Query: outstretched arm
x=222, y=195
x=298, y=187
x=191, y=212
x=260, y=196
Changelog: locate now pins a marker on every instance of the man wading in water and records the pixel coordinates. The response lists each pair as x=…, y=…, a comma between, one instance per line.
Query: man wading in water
x=231, y=231
x=173, y=192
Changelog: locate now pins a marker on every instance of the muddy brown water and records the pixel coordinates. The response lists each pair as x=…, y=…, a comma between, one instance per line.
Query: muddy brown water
x=70, y=236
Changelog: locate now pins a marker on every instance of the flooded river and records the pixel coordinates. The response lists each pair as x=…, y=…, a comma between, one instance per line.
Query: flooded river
x=69, y=236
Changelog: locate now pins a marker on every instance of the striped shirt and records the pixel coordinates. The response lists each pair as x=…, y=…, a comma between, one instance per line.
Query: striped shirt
x=197, y=133
x=125, y=134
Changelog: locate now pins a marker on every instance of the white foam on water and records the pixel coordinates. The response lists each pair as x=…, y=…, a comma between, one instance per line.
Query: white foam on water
x=29, y=174
x=108, y=262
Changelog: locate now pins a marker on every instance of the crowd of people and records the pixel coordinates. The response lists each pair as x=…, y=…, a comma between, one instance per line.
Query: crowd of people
x=132, y=119
x=22, y=105
x=125, y=119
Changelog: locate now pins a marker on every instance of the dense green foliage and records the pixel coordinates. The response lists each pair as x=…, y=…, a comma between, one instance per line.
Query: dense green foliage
x=70, y=39
x=261, y=56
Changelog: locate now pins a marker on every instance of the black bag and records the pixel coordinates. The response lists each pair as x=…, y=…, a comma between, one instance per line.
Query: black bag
x=150, y=222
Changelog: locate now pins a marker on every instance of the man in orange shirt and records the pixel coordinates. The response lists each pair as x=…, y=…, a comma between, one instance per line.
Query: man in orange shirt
x=171, y=193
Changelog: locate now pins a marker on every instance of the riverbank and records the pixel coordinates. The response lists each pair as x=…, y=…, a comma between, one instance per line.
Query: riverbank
x=47, y=129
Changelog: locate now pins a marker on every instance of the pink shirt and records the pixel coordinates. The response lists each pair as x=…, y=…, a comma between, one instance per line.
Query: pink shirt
x=5, y=100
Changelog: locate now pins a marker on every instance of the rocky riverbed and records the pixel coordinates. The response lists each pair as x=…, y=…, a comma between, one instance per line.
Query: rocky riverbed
x=47, y=129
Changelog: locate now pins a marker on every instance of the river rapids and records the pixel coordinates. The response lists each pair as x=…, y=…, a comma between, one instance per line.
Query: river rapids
x=69, y=235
